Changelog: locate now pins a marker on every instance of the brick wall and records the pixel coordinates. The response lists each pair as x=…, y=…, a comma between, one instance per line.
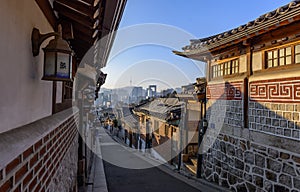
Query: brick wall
x=47, y=163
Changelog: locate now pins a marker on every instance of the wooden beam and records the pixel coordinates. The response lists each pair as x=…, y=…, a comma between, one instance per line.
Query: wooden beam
x=74, y=15
x=91, y=2
x=79, y=6
x=79, y=49
x=48, y=12
x=83, y=29
x=96, y=2
x=84, y=37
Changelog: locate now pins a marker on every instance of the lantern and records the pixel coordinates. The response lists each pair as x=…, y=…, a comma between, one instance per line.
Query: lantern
x=57, y=56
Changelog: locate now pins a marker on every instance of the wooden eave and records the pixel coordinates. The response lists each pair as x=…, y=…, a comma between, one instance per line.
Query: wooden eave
x=74, y=15
x=84, y=21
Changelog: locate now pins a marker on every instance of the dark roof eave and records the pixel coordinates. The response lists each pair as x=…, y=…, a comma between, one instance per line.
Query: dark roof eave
x=202, y=57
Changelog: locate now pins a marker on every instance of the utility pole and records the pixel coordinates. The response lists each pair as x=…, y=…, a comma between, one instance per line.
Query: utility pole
x=202, y=126
x=183, y=126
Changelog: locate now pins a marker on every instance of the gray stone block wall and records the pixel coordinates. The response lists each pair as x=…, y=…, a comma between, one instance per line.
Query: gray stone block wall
x=280, y=119
x=242, y=165
x=225, y=112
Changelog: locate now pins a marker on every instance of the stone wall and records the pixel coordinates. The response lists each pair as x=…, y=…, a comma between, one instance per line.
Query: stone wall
x=281, y=119
x=244, y=165
x=274, y=106
x=264, y=155
x=222, y=112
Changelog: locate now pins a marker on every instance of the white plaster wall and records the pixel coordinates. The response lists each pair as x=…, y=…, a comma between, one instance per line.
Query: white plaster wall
x=24, y=96
x=243, y=64
x=59, y=92
x=257, y=61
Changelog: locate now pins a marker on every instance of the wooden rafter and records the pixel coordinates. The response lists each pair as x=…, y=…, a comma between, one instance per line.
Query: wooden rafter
x=48, y=12
x=74, y=15
x=83, y=29
x=79, y=7
x=91, y=2
x=83, y=37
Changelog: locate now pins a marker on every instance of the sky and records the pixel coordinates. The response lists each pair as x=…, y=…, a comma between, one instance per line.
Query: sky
x=149, y=30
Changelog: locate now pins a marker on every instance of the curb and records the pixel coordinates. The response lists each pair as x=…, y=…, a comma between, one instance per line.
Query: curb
x=97, y=176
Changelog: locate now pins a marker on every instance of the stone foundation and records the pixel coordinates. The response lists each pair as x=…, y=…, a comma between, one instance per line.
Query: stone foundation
x=244, y=165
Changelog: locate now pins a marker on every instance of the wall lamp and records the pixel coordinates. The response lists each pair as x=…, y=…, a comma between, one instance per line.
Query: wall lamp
x=57, y=55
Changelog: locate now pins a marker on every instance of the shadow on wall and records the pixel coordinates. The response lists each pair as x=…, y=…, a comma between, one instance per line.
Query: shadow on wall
x=237, y=162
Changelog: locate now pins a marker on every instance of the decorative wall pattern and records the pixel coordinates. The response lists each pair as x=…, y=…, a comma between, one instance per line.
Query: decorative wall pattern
x=279, y=90
x=225, y=91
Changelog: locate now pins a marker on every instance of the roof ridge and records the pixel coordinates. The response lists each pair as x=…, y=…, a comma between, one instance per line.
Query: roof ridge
x=196, y=43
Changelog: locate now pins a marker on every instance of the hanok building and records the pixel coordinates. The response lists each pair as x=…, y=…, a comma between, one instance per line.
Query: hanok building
x=253, y=95
x=158, y=127
x=39, y=140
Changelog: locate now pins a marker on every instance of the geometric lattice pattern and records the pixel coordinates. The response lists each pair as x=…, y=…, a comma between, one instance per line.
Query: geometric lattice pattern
x=279, y=90
x=225, y=91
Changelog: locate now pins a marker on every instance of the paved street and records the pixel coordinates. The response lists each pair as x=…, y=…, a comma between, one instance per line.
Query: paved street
x=155, y=179
x=145, y=180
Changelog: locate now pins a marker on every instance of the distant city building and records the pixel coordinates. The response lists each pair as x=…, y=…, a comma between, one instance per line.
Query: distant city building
x=136, y=95
x=167, y=92
x=151, y=91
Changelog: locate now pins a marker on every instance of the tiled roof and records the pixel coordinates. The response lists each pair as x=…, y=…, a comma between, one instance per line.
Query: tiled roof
x=262, y=23
x=129, y=118
x=160, y=107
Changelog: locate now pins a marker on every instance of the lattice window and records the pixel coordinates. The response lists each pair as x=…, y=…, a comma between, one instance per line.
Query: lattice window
x=226, y=68
x=279, y=57
x=234, y=66
x=297, y=54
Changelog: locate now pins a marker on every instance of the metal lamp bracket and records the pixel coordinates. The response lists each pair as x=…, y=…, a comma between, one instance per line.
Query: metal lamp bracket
x=37, y=39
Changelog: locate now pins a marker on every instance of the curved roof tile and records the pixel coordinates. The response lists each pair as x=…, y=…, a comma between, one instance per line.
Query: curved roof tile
x=197, y=43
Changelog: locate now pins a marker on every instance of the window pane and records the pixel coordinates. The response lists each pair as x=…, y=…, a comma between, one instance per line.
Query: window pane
x=297, y=49
x=221, y=70
x=297, y=59
x=234, y=70
x=281, y=52
x=270, y=63
x=288, y=60
x=275, y=54
x=270, y=55
x=288, y=51
x=281, y=61
x=275, y=63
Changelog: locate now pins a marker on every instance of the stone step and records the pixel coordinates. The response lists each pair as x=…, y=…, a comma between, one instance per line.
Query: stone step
x=194, y=161
x=191, y=168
